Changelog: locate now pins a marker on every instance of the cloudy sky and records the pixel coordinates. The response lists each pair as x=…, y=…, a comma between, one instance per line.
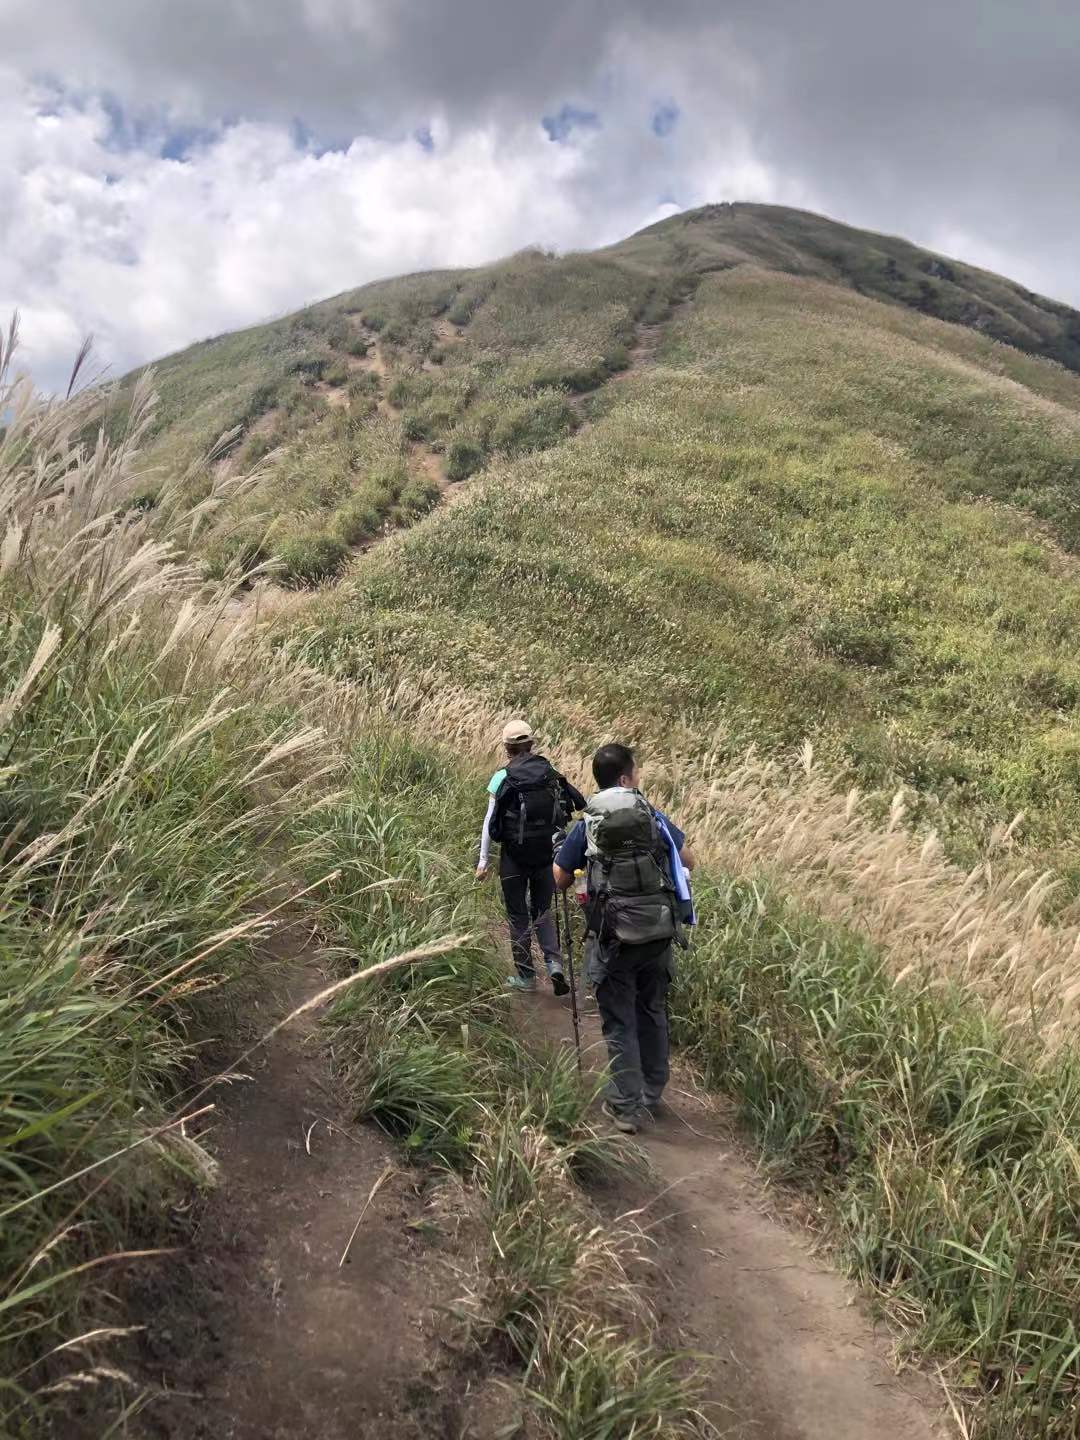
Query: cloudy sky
x=173, y=168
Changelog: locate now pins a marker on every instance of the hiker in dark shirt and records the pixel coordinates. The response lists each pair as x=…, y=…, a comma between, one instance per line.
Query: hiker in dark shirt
x=529, y=803
x=638, y=901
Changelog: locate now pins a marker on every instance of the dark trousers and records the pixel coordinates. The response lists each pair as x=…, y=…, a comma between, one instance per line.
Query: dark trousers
x=528, y=893
x=631, y=984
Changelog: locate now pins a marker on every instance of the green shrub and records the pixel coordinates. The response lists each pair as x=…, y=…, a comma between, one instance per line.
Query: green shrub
x=468, y=302
x=441, y=299
x=241, y=548
x=432, y=419
x=416, y=498
x=1028, y=553
x=366, y=381
x=333, y=330
x=464, y=456
x=423, y=340
x=853, y=639
x=309, y=366
x=410, y=389
x=533, y=424
x=617, y=359
x=311, y=559
x=578, y=378
x=263, y=397
x=363, y=386
x=358, y=519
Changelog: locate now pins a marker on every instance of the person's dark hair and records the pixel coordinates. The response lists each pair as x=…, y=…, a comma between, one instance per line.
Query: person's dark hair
x=518, y=747
x=609, y=762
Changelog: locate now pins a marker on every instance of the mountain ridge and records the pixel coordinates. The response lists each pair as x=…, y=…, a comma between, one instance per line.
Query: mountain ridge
x=737, y=220
x=889, y=267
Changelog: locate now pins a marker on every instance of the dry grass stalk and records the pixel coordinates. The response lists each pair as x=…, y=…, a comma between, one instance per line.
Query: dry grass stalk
x=986, y=927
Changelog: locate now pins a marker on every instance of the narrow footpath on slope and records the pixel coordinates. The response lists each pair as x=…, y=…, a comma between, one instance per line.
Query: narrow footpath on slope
x=786, y=1350
x=308, y=1295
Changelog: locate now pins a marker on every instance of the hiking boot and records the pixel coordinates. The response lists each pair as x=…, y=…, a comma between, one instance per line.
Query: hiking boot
x=521, y=982
x=628, y=1121
x=559, y=983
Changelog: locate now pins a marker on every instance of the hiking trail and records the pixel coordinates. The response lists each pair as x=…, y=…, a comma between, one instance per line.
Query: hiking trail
x=786, y=1350
x=257, y=1329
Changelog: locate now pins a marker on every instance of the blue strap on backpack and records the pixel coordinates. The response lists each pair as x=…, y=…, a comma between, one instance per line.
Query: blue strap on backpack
x=679, y=876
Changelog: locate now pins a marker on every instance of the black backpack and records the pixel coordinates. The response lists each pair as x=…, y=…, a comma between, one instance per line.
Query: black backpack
x=530, y=807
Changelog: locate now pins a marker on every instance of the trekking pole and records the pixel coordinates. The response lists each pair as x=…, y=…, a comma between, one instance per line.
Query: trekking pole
x=556, y=841
x=570, y=973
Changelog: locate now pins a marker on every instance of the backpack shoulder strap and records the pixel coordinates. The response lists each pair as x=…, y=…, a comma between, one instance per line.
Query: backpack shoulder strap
x=571, y=794
x=500, y=798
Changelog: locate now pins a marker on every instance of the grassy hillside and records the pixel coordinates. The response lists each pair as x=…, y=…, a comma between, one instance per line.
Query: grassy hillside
x=710, y=498
x=705, y=449
x=233, y=379
x=883, y=266
x=368, y=403
x=800, y=512
x=768, y=532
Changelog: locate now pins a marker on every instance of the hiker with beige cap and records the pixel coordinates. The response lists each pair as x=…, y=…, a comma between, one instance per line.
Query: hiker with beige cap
x=529, y=804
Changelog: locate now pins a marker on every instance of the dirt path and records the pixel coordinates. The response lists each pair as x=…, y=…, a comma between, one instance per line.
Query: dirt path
x=258, y=1331
x=788, y=1353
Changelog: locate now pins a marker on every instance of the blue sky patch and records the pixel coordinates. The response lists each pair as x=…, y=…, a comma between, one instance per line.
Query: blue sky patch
x=127, y=129
x=147, y=128
x=314, y=143
x=178, y=143
x=664, y=118
x=561, y=126
x=424, y=138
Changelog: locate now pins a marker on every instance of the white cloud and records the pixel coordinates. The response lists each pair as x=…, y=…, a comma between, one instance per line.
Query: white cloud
x=151, y=253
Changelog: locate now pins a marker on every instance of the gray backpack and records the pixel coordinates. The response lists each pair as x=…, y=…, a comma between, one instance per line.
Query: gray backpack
x=631, y=896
